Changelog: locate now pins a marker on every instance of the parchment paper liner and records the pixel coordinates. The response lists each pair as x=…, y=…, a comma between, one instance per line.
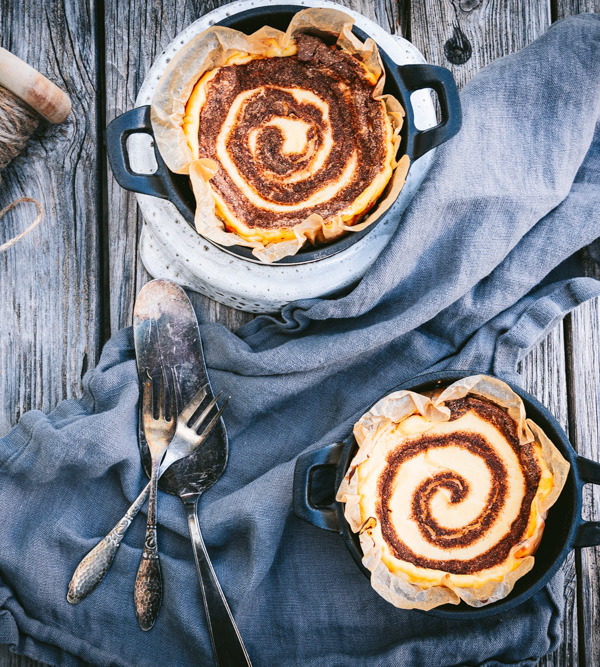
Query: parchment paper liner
x=397, y=587
x=212, y=48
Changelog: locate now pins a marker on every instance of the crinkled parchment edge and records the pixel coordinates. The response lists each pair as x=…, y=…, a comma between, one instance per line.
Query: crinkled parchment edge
x=211, y=49
x=397, y=587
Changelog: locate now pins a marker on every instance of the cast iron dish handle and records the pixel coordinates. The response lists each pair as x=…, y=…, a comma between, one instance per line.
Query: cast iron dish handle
x=325, y=517
x=588, y=532
x=131, y=122
x=416, y=77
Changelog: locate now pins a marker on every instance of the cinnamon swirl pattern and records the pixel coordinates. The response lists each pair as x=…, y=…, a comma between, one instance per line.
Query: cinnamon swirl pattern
x=450, y=504
x=472, y=492
x=292, y=137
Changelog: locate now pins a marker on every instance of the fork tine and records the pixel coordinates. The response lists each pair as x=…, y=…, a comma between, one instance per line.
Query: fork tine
x=194, y=404
x=196, y=422
x=161, y=396
x=173, y=396
x=147, y=402
x=213, y=421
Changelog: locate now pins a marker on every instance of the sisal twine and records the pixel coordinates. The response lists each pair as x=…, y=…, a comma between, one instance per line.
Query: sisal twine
x=32, y=226
x=17, y=124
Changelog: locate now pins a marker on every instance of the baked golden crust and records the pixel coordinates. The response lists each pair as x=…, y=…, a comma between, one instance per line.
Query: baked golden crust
x=293, y=136
x=450, y=495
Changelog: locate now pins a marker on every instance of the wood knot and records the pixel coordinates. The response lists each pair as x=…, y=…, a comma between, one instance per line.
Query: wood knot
x=458, y=48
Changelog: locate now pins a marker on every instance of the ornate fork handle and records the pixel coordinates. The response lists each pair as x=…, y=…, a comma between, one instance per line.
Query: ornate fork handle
x=94, y=566
x=96, y=563
x=226, y=640
x=148, y=581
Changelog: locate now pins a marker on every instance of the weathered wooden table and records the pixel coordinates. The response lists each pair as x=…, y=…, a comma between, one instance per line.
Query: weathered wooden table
x=72, y=282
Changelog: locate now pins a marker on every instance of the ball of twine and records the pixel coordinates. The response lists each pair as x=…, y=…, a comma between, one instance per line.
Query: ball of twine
x=17, y=123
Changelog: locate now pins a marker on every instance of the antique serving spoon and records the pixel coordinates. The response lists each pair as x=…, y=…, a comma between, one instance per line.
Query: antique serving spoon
x=188, y=478
x=162, y=330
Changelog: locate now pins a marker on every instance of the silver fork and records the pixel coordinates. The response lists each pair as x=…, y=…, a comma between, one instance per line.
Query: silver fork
x=189, y=480
x=158, y=431
x=96, y=563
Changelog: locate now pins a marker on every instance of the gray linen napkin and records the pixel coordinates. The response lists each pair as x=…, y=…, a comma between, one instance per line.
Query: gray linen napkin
x=467, y=282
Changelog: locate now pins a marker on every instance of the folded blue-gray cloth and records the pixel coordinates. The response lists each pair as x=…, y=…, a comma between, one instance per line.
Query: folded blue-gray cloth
x=469, y=281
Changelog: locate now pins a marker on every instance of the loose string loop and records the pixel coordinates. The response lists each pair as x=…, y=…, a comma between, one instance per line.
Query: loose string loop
x=32, y=226
x=17, y=123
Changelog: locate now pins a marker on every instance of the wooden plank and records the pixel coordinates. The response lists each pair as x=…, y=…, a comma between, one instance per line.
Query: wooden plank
x=584, y=391
x=135, y=34
x=384, y=12
x=49, y=280
x=443, y=30
x=563, y=8
x=583, y=363
x=8, y=659
x=487, y=30
x=544, y=372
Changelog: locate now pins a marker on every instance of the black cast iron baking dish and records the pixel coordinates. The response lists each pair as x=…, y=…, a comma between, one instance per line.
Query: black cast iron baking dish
x=564, y=530
x=401, y=81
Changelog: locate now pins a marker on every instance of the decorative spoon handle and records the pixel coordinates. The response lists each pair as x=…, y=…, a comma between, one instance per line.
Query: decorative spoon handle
x=93, y=567
x=227, y=643
x=96, y=563
x=148, y=581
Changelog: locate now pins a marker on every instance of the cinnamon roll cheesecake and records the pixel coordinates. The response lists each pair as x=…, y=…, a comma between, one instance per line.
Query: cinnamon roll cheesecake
x=293, y=135
x=450, y=493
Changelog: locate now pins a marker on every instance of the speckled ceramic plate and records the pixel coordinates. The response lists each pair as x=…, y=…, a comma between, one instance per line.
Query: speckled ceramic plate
x=170, y=248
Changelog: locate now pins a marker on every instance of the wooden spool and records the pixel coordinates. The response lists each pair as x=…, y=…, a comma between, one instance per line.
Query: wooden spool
x=33, y=88
x=19, y=82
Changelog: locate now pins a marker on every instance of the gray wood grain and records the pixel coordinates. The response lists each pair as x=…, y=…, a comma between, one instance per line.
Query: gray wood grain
x=583, y=327
x=133, y=40
x=544, y=372
x=493, y=29
x=583, y=360
x=563, y=8
x=8, y=659
x=49, y=281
